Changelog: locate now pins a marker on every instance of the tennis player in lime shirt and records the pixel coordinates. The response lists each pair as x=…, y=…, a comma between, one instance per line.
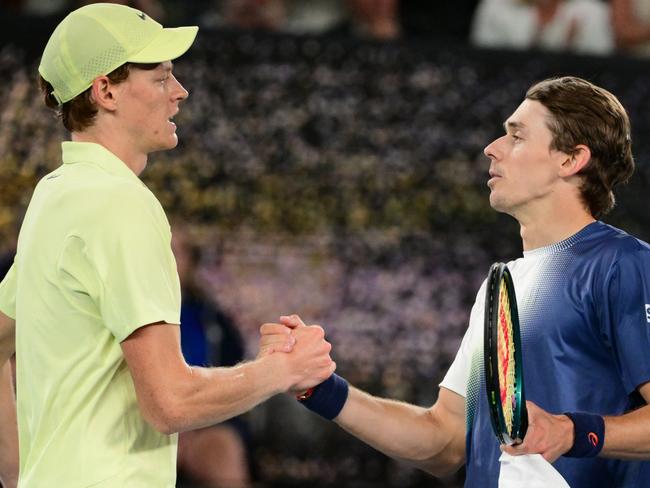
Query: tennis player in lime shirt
x=93, y=296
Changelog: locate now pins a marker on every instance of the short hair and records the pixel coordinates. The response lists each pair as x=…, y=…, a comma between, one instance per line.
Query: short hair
x=80, y=112
x=583, y=113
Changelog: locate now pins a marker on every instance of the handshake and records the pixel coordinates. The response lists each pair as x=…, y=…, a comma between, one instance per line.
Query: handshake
x=302, y=351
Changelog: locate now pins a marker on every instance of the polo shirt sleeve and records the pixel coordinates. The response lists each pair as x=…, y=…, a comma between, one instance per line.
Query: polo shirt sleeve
x=132, y=256
x=625, y=322
x=8, y=293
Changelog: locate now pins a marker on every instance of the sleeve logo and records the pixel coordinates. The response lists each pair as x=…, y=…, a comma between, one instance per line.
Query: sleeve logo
x=647, y=312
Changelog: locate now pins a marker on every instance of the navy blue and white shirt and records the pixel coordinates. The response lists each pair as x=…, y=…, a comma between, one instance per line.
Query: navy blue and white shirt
x=584, y=309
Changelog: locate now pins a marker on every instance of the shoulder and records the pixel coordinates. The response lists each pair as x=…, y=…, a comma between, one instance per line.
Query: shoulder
x=615, y=244
x=93, y=186
x=129, y=194
x=124, y=199
x=121, y=208
x=613, y=255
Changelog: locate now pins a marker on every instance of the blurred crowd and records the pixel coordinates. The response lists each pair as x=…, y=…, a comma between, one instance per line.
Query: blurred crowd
x=595, y=27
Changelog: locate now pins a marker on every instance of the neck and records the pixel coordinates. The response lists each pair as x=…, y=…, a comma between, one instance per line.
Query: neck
x=134, y=160
x=538, y=234
x=545, y=226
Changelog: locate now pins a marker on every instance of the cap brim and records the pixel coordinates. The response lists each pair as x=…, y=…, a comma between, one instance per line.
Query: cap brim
x=170, y=43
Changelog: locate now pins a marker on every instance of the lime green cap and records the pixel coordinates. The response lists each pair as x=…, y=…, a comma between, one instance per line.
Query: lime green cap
x=96, y=39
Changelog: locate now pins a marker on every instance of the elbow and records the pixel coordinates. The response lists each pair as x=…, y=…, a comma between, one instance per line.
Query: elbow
x=442, y=468
x=449, y=455
x=165, y=426
x=442, y=464
x=164, y=415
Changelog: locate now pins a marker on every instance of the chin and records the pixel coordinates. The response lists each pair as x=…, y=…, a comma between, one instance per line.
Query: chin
x=163, y=147
x=497, y=203
x=172, y=140
x=170, y=143
x=506, y=207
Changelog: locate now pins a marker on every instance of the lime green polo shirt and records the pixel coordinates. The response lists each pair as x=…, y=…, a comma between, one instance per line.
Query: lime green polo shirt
x=93, y=264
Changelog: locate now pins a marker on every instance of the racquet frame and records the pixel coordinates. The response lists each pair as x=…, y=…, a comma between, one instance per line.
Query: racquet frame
x=500, y=274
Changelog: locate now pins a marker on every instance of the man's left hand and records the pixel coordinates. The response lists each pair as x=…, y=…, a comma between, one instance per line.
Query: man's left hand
x=548, y=435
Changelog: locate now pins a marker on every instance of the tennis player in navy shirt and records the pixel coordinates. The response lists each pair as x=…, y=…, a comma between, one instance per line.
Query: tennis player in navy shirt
x=583, y=295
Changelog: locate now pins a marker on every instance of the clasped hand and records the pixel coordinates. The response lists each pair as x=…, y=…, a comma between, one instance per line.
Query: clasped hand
x=307, y=352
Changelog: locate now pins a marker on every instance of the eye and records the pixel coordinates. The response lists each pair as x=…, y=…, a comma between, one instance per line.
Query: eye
x=515, y=137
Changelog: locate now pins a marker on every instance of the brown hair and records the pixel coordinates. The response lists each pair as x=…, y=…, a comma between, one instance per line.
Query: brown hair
x=79, y=113
x=583, y=113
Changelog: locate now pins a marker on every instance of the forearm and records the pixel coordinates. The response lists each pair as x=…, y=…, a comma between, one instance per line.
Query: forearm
x=628, y=436
x=8, y=430
x=428, y=438
x=205, y=396
x=175, y=397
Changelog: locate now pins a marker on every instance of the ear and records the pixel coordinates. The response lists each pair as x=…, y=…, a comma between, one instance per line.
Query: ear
x=574, y=163
x=103, y=93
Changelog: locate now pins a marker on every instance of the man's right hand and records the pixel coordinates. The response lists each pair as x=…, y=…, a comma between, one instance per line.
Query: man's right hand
x=275, y=338
x=308, y=359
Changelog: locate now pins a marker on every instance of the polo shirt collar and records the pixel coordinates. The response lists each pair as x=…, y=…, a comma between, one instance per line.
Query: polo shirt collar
x=91, y=153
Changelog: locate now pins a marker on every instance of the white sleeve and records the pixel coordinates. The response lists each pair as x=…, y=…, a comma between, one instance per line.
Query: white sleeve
x=459, y=371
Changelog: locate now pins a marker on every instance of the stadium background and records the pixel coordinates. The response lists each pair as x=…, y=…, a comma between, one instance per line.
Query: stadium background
x=339, y=178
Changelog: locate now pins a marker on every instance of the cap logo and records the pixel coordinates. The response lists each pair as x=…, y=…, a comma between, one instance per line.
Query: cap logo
x=142, y=16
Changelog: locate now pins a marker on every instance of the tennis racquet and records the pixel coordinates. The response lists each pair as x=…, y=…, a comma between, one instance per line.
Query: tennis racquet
x=504, y=376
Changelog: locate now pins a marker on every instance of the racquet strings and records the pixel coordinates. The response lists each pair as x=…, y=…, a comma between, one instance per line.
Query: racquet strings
x=506, y=358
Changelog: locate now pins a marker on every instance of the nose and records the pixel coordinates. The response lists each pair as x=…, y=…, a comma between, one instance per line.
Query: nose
x=492, y=150
x=179, y=93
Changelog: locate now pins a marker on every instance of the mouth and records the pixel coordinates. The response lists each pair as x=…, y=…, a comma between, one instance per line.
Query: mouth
x=494, y=176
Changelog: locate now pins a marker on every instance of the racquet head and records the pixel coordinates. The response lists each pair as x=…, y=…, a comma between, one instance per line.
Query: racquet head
x=504, y=378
